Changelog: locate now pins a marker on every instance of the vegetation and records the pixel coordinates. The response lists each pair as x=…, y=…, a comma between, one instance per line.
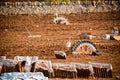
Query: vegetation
x=57, y=0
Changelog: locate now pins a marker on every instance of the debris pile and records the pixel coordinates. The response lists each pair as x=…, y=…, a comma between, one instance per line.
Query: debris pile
x=60, y=20
x=113, y=35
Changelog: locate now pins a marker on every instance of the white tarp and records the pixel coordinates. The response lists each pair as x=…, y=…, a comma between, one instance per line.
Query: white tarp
x=83, y=66
x=29, y=60
x=8, y=62
x=23, y=76
x=101, y=65
x=44, y=64
x=2, y=57
x=66, y=67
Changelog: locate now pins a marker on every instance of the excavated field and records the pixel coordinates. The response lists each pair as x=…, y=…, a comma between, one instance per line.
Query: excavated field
x=14, y=40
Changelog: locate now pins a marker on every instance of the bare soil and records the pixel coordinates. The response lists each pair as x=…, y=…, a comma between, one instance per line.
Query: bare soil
x=14, y=38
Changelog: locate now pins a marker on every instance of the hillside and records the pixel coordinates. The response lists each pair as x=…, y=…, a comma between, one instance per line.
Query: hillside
x=14, y=38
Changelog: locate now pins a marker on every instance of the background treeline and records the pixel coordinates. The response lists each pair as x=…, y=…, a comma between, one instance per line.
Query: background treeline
x=57, y=0
x=52, y=0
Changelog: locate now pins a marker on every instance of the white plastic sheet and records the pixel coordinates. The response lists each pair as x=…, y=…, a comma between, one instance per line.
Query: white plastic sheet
x=66, y=67
x=8, y=62
x=101, y=65
x=83, y=66
x=23, y=76
x=29, y=60
x=44, y=64
x=2, y=57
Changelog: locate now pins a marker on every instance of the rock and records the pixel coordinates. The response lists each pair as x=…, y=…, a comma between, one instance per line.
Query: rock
x=60, y=54
x=61, y=8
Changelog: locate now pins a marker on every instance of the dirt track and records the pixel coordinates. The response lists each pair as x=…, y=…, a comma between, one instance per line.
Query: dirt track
x=14, y=39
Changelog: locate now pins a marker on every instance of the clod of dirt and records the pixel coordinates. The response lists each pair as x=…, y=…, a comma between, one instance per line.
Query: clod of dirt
x=5, y=30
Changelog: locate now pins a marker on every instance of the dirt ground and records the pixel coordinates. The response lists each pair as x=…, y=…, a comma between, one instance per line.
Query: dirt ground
x=14, y=38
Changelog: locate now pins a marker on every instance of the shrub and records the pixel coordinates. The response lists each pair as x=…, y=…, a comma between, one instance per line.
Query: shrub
x=57, y=0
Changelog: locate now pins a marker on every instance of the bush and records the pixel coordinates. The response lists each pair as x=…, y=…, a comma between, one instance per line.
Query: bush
x=57, y=0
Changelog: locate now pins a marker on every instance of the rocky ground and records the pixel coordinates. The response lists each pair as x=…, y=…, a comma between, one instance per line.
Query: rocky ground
x=14, y=38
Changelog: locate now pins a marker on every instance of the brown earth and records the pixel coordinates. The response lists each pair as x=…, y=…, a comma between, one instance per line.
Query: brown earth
x=14, y=38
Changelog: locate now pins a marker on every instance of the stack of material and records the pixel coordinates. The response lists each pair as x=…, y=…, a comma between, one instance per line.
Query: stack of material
x=26, y=62
x=83, y=70
x=44, y=66
x=102, y=70
x=64, y=70
x=23, y=76
x=60, y=54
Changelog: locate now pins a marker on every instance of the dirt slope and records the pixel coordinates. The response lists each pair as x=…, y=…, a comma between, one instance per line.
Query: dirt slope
x=14, y=38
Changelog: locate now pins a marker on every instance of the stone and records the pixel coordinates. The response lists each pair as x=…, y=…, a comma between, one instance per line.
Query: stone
x=61, y=8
